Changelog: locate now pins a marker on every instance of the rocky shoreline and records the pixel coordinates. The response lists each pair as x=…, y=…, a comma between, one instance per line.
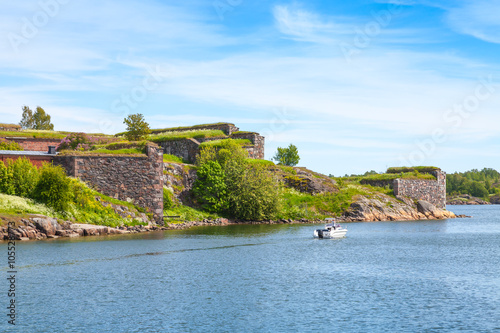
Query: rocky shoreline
x=466, y=199
x=382, y=207
x=39, y=227
x=377, y=208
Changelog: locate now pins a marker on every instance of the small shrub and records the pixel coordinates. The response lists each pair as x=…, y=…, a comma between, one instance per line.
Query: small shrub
x=23, y=176
x=6, y=184
x=9, y=145
x=53, y=188
x=168, y=201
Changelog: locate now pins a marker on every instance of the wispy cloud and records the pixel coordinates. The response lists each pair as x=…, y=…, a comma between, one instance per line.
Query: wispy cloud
x=300, y=24
x=477, y=18
x=395, y=92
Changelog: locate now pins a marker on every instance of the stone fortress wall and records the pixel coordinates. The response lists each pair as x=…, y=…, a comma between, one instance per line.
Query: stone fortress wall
x=433, y=191
x=128, y=178
x=187, y=149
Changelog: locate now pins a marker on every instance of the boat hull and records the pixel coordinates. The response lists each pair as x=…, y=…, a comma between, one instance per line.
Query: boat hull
x=330, y=234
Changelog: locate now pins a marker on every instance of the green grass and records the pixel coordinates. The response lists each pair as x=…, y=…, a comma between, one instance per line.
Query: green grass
x=458, y=199
x=265, y=163
x=187, y=213
x=243, y=132
x=130, y=205
x=388, y=176
x=98, y=152
x=90, y=211
x=114, y=148
x=16, y=126
x=131, y=151
x=123, y=145
x=217, y=143
x=287, y=169
x=35, y=134
x=193, y=134
x=39, y=134
x=297, y=205
x=184, y=128
x=422, y=169
x=172, y=158
x=10, y=204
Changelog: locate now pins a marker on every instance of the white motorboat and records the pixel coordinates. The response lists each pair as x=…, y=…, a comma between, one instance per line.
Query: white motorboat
x=331, y=230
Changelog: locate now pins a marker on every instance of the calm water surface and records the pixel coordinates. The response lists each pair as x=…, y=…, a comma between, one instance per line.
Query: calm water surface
x=427, y=276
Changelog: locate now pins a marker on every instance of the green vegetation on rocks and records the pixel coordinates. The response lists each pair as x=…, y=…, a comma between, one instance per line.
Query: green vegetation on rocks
x=9, y=145
x=172, y=158
x=12, y=127
x=193, y=134
x=27, y=190
x=186, y=128
x=421, y=169
x=222, y=143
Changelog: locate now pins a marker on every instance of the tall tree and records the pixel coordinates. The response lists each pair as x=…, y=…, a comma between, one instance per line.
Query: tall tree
x=287, y=156
x=39, y=120
x=137, y=127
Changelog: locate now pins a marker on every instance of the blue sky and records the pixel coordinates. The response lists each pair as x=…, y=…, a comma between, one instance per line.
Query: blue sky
x=355, y=85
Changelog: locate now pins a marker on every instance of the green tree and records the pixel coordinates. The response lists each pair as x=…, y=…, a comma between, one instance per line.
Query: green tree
x=210, y=187
x=38, y=120
x=478, y=190
x=137, y=127
x=254, y=193
x=287, y=156
x=53, y=188
x=229, y=184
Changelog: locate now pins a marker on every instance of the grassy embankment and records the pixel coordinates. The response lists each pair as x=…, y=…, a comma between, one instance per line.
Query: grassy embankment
x=137, y=148
x=297, y=205
x=41, y=134
x=86, y=206
x=293, y=204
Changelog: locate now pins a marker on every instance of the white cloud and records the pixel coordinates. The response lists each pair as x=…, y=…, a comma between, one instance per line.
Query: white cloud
x=387, y=90
x=299, y=24
x=477, y=18
x=385, y=99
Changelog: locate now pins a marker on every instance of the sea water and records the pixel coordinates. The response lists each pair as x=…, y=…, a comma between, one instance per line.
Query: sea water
x=419, y=276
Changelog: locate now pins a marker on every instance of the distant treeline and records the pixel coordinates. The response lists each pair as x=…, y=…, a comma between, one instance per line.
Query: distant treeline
x=479, y=183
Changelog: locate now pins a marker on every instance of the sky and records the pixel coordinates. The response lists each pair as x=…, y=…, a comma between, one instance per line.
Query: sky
x=355, y=85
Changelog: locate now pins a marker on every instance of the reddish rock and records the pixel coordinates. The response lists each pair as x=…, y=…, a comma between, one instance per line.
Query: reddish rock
x=46, y=225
